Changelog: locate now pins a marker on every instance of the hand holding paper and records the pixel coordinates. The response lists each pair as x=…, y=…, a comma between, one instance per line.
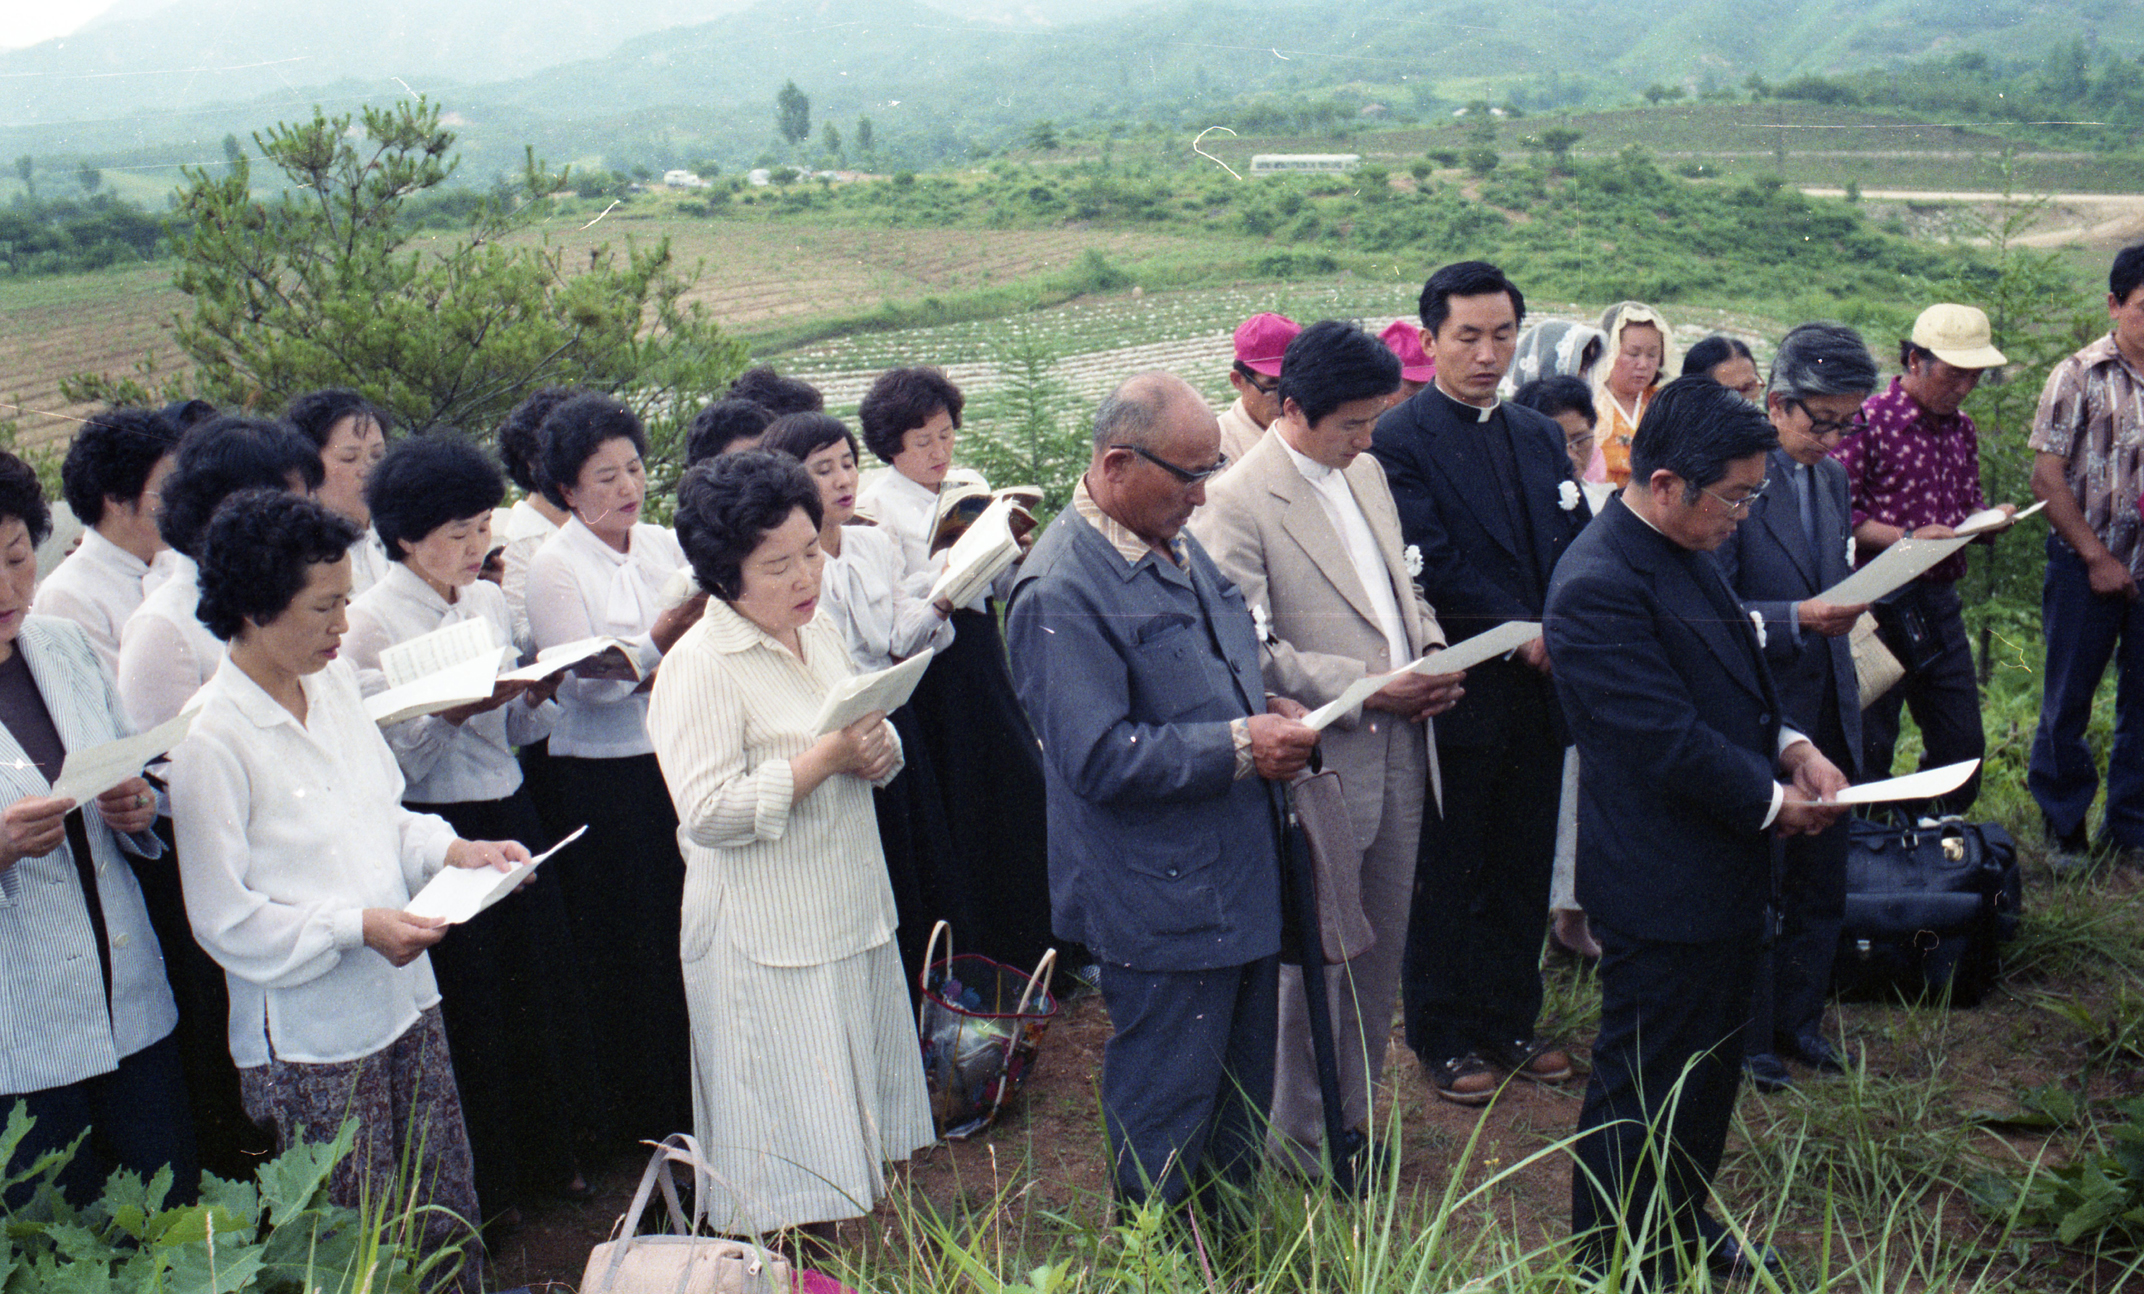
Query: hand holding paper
x=883, y=690
x=1480, y=649
x=459, y=893
x=89, y=773
x=1924, y=785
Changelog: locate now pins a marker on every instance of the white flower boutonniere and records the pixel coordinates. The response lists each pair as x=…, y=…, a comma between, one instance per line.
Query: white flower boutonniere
x=1413, y=558
x=1567, y=496
x=1757, y=618
x=1261, y=624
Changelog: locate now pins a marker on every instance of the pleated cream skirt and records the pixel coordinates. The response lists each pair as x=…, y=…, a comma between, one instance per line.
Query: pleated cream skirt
x=805, y=1080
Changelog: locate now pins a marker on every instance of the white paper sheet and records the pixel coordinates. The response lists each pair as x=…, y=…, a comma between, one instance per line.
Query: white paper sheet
x=459, y=893
x=1893, y=568
x=976, y=558
x=565, y=656
x=1924, y=785
x=1480, y=649
x=87, y=774
x=442, y=649
x=1990, y=518
x=860, y=694
x=468, y=682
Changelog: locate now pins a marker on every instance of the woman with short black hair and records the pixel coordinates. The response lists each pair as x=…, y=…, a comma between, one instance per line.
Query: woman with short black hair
x=994, y=883
x=804, y=1053
x=165, y=654
x=86, y=1035
x=1727, y=361
x=602, y=575
x=113, y=478
x=350, y=433
x=299, y=859
x=533, y=518
x=507, y=980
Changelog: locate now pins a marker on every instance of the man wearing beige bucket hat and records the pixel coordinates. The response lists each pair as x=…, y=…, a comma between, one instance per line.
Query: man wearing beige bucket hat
x=1913, y=468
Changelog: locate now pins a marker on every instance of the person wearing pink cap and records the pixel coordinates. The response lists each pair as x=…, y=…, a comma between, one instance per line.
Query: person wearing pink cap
x=1260, y=342
x=1912, y=462
x=1417, y=366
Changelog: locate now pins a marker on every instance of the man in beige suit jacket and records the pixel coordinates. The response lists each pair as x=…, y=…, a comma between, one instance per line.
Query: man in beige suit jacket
x=1306, y=527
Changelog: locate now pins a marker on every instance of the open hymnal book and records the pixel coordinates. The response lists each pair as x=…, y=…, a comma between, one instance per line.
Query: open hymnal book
x=883, y=690
x=462, y=664
x=963, y=498
x=987, y=548
x=601, y=658
x=459, y=893
x=1990, y=518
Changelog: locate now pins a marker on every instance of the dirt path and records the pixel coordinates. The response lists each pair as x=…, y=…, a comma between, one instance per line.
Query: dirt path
x=2094, y=219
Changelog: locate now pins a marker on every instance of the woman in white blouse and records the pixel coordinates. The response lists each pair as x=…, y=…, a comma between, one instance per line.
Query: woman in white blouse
x=804, y=1053
x=508, y=980
x=602, y=575
x=165, y=654
x=350, y=434
x=114, y=478
x=993, y=884
x=885, y=615
x=299, y=859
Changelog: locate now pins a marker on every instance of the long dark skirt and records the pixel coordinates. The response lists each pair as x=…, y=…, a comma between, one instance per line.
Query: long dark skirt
x=994, y=885
x=624, y=886
x=918, y=844
x=510, y=995
x=231, y=1145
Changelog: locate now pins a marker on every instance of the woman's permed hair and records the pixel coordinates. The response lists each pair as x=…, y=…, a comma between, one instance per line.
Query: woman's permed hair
x=521, y=435
x=111, y=458
x=316, y=413
x=800, y=435
x=574, y=432
x=901, y=400
x=426, y=482
x=23, y=498
x=727, y=506
x=255, y=554
x=221, y=457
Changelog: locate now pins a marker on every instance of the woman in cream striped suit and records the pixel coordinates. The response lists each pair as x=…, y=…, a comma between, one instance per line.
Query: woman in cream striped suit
x=806, y=1076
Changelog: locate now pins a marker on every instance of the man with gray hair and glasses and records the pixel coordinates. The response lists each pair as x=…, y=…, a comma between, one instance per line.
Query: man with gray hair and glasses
x=1795, y=544
x=1138, y=663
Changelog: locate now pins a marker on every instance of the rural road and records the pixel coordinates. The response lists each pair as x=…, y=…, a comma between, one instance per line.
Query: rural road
x=2101, y=218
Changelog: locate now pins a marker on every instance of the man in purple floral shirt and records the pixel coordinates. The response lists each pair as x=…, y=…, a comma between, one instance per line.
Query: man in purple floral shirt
x=1913, y=468
x=2088, y=440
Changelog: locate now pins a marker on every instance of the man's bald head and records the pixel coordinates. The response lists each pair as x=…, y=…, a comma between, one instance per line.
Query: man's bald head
x=1149, y=434
x=1136, y=413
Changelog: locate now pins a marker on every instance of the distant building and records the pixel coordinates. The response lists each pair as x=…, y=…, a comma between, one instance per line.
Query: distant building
x=683, y=180
x=1294, y=163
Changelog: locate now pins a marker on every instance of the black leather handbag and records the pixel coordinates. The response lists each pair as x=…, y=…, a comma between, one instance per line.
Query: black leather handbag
x=1927, y=909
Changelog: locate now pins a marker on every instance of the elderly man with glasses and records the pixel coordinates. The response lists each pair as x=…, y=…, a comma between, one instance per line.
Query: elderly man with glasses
x=1138, y=662
x=1914, y=469
x=1795, y=545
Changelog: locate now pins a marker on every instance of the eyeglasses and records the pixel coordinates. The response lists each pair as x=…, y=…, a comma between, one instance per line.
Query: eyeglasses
x=1822, y=428
x=1184, y=474
x=1269, y=387
x=1739, y=507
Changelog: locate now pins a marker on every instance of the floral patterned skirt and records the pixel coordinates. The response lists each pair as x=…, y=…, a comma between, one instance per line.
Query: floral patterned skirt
x=409, y=1115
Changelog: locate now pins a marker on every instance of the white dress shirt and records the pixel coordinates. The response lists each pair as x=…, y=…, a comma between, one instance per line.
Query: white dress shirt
x=287, y=833
x=526, y=529
x=1344, y=511
x=580, y=587
x=165, y=652
x=904, y=510
x=368, y=561
x=445, y=763
x=883, y=613
x=98, y=586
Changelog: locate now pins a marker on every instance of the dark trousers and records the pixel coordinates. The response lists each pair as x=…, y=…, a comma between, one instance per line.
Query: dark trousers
x=1471, y=974
x=1187, y=1077
x=1944, y=696
x=2084, y=632
x=1812, y=908
x=1665, y=1070
x=137, y=1119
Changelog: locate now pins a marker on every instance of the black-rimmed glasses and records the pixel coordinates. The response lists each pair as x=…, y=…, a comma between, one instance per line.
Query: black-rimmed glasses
x=1184, y=474
x=1825, y=427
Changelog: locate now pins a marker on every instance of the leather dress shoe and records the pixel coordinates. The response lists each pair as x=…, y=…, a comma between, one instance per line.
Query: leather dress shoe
x=1766, y=1073
x=1818, y=1053
x=1464, y=1080
x=1534, y=1059
x=1730, y=1259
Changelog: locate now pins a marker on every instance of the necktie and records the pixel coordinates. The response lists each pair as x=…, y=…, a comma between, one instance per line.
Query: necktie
x=1806, y=488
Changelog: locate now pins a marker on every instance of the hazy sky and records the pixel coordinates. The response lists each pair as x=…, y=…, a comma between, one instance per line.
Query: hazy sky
x=26, y=22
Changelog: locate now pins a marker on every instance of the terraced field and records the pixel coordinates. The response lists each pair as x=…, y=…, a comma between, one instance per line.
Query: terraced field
x=106, y=323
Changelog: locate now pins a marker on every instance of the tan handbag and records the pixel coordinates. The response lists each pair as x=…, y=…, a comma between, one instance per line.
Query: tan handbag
x=685, y=1263
x=1876, y=669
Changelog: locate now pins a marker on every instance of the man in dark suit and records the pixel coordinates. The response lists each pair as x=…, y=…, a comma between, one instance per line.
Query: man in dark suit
x=1680, y=748
x=1486, y=506
x=1138, y=663
x=1796, y=545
